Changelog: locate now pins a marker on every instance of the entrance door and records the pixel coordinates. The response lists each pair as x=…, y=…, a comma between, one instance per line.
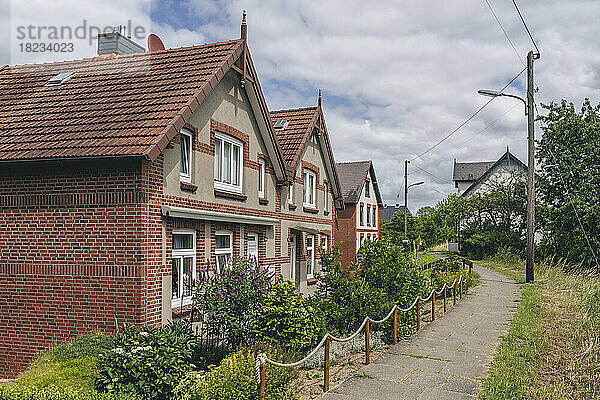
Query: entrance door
x=252, y=248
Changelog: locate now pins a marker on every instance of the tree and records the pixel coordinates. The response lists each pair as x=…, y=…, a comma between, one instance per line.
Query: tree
x=569, y=181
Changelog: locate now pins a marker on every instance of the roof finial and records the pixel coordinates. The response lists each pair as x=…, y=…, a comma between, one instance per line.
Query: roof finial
x=320, y=92
x=507, y=149
x=244, y=27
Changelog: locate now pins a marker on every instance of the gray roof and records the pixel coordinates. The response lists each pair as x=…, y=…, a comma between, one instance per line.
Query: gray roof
x=470, y=171
x=387, y=211
x=352, y=178
x=508, y=156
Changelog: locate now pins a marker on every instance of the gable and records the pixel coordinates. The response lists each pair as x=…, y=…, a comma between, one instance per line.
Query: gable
x=504, y=164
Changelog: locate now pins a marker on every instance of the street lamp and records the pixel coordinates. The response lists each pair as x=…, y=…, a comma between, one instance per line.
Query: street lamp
x=529, y=111
x=495, y=93
x=406, y=206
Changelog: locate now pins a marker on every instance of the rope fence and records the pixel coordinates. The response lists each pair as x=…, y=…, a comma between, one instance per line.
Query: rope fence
x=262, y=360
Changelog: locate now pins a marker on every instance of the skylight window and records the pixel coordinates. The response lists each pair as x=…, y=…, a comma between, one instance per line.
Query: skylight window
x=281, y=125
x=60, y=78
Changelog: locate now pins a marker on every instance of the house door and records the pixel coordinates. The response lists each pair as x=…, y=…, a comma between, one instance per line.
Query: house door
x=252, y=248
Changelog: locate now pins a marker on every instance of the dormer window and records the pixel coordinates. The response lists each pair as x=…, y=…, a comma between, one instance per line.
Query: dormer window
x=228, y=163
x=185, y=165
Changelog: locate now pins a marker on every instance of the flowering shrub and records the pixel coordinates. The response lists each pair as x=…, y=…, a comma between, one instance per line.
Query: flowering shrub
x=344, y=298
x=227, y=299
x=148, y=362
x=448, y=270
x=235, y=378
x=284, y=318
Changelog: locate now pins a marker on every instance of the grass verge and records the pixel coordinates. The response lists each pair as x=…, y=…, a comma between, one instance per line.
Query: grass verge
x=552, y=350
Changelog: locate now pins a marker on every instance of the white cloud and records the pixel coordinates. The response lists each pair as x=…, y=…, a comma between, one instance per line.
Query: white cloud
x=411, y=69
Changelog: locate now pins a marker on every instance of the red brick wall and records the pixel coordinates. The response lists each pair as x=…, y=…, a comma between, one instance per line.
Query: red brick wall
x=346, y=233
x=71, y=253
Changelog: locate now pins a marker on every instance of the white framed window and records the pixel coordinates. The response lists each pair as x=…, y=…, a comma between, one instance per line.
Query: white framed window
x=261, y=178
x=368, y=215
x=310, y=256
x=183, y=264
x=223, y=249
x=291, y=193
x=362, y=215
x=185, y=164
x=252, y=248
x=374, y=216
x=325, y=242
x=367, y=189
x=229, y=153
x=326, y=196
x=310, y=179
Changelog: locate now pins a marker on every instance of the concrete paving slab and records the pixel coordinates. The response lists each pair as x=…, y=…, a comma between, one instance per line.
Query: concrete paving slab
x=449, y=357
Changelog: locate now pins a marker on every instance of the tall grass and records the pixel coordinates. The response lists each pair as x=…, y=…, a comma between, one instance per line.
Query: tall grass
x=552, y=350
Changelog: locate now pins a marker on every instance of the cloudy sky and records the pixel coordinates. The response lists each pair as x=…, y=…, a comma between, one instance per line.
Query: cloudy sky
x=397, y=76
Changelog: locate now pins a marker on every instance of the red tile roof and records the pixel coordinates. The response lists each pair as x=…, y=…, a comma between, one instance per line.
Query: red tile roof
x=292, y=138
x=112, y=106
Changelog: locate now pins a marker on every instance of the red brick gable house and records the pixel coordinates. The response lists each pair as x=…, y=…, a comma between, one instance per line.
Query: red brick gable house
x=118, y=183
x=359, y=220
x=312, y=191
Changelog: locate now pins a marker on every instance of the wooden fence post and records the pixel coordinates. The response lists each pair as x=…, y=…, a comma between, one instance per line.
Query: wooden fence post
x=445, y=295
x=418, y=313
x=367, y=348
x=433, y=305
x=326, y=370
x=454, y=294
x=261, y=388
x=395, y=326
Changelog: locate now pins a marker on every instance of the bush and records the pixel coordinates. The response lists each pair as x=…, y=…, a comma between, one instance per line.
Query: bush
x=55, y=393
x=344, y=298
x=384, y=265
x=447, y=271
x=147, y=362
x=479, y=245
x=235, y=379
x=69, y=366
x=226, y=297
x=284, y=318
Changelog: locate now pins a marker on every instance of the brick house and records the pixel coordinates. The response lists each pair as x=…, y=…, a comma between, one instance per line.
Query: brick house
x=122, y=175
x=359, y=220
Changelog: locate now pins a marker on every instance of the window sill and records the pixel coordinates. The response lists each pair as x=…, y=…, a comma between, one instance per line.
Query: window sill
x=230, y=195
x=292, y=206
x=188, y=187
x=311, y=281
x=263, y=201
x=310, y=210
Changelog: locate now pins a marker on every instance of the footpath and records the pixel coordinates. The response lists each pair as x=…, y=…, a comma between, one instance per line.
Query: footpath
x=446, y=359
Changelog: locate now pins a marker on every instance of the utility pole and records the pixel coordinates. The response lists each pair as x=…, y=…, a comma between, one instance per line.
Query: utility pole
x=530, y=168
x=405, y=198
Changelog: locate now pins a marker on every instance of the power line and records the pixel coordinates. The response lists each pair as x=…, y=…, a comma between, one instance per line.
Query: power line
x=463, y=144
x=430, y=174
x=526, y=28
x=505, y=33
x=468, y=119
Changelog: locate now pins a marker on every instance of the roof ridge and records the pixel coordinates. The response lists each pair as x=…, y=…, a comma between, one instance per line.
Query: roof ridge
x=120, y=56
x=295, y=109
x=354, y=162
